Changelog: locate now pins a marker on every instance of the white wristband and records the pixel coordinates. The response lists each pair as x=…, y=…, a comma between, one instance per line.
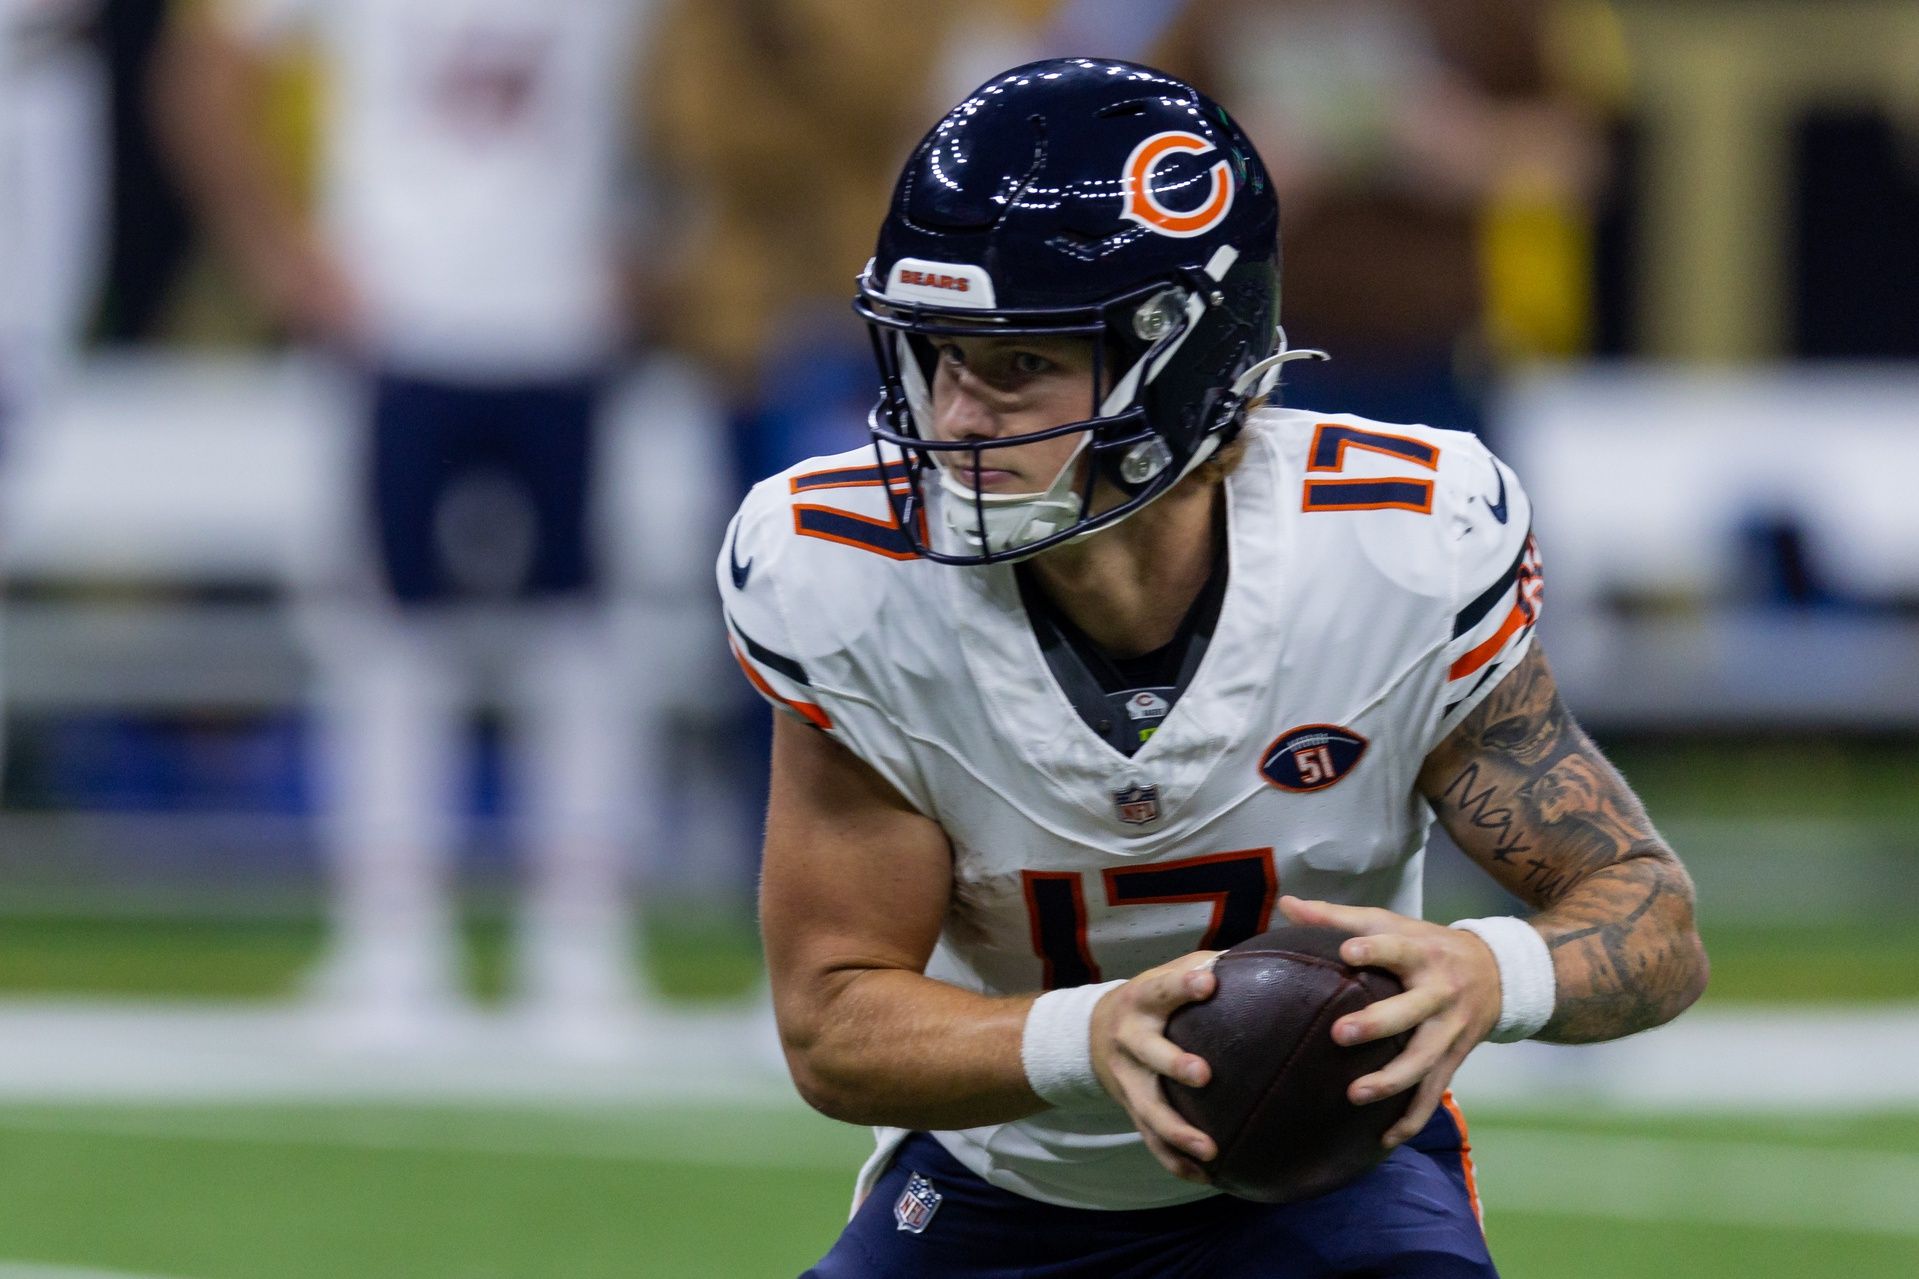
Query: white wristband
x=1057, y=1045
x=1527, y=987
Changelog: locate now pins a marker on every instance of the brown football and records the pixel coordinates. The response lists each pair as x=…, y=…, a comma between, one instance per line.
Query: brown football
x=1276, y=1104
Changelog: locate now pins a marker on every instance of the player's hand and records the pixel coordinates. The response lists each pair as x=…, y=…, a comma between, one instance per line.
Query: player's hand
x=1131, y=1053
x=1450, y=1003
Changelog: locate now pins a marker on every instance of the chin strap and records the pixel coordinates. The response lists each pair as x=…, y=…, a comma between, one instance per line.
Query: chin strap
x=1010, y=520
x=1013, y=520
x=1261, y=376
x=995, y=523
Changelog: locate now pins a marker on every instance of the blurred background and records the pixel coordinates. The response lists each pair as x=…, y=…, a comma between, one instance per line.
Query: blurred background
x=379, y=805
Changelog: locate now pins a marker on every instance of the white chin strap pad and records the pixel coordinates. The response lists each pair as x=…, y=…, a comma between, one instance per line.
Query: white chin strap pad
x=1014, y=520
x=1009, y=521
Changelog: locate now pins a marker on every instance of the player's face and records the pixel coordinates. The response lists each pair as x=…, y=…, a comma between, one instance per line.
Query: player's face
x=995, y=388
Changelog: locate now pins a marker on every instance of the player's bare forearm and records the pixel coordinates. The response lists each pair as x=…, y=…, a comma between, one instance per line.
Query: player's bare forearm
x=895, y=1048
x=1625, y=951
x=1525, y=793
x=854, y=890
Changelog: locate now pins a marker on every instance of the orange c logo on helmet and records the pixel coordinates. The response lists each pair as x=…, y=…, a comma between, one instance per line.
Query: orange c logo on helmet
x=1142, y=204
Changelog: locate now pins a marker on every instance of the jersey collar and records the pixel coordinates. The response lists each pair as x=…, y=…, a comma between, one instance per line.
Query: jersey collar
x=1038, y=722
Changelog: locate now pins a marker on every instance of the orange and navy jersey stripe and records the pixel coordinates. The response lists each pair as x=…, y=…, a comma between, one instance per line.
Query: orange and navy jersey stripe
x=1332, y=439
x=848, y=477
x=1328, y=452
x=778, y=678
x=1493, y=627
x=1466, y=1168
x=879, y=533
x=831, y=524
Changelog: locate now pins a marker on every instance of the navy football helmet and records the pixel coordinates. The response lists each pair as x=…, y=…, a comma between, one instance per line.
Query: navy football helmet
x=1079, y=197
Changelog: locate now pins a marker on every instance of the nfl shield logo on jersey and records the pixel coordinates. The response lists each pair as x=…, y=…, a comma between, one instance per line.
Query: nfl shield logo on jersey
x=915, y=1207
x=1137, y=804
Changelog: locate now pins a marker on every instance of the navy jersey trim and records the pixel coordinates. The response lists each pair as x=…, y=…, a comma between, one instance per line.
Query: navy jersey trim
x=885, y=537
x=768, y=658
x=1477, y=685
x=848, y=477
x=1475, y=612
x=1369, y=495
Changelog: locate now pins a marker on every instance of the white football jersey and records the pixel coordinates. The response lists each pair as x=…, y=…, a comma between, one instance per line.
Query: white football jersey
x=473, y=154
x=1381, y=580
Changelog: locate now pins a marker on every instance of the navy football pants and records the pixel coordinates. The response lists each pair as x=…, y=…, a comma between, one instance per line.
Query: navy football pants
x=532, y=442
x=1411, y=1217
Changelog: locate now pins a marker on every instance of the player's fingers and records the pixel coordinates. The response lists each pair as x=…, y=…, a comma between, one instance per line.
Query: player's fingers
x=1152, y=1116
x=1395, y=951
x=1164, y=1057
x=1351, y=919
x=1428, y=1044
x=1393, y=1015
x=1432, y=1091
x=1161, y=992
x=1174, y=1162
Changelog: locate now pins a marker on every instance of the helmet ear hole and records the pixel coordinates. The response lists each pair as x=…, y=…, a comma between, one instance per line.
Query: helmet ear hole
x=1158, y=315
x=1144, y=461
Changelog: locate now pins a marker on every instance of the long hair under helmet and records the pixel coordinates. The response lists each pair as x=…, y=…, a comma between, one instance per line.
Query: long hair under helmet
x=1074, y=197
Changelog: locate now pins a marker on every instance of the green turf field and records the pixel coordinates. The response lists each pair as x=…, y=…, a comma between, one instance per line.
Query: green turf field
x=1804, y=864
x=253, y=1192
x=715, y=956
x=698, y=954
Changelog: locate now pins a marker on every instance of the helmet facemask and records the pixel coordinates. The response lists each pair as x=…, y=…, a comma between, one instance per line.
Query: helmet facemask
x=1134, y=336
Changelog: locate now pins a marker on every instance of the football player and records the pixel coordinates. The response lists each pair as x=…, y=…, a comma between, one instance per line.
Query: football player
x=462, y=263
x=1099, y=662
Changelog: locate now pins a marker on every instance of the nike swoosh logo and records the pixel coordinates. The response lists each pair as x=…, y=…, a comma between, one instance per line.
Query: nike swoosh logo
x=741, y=571
x=1498, y=508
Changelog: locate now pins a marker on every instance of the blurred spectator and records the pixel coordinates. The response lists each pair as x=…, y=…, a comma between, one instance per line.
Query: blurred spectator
x=470, y=260
x=52, y=157
x=52, y=104
x=1421, y=149
x=780, y=125
x=150, y=231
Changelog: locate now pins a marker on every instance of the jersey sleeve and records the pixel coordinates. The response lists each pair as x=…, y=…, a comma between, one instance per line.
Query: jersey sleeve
x=756, y=627
x=798, y=613
x=1497, y=583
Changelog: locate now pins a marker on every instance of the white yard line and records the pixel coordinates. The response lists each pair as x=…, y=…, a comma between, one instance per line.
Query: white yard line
x=1746, y=1184
x=176, y=1052
x=1842, y=1059
x=611, y=1138
x=1831, y=1059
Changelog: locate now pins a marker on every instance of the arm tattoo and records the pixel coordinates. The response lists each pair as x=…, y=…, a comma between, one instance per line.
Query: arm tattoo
x=1475, y=801
x=1524, y=792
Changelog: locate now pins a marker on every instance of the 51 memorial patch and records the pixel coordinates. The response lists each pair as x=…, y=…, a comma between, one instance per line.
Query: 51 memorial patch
x=1311, y=757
